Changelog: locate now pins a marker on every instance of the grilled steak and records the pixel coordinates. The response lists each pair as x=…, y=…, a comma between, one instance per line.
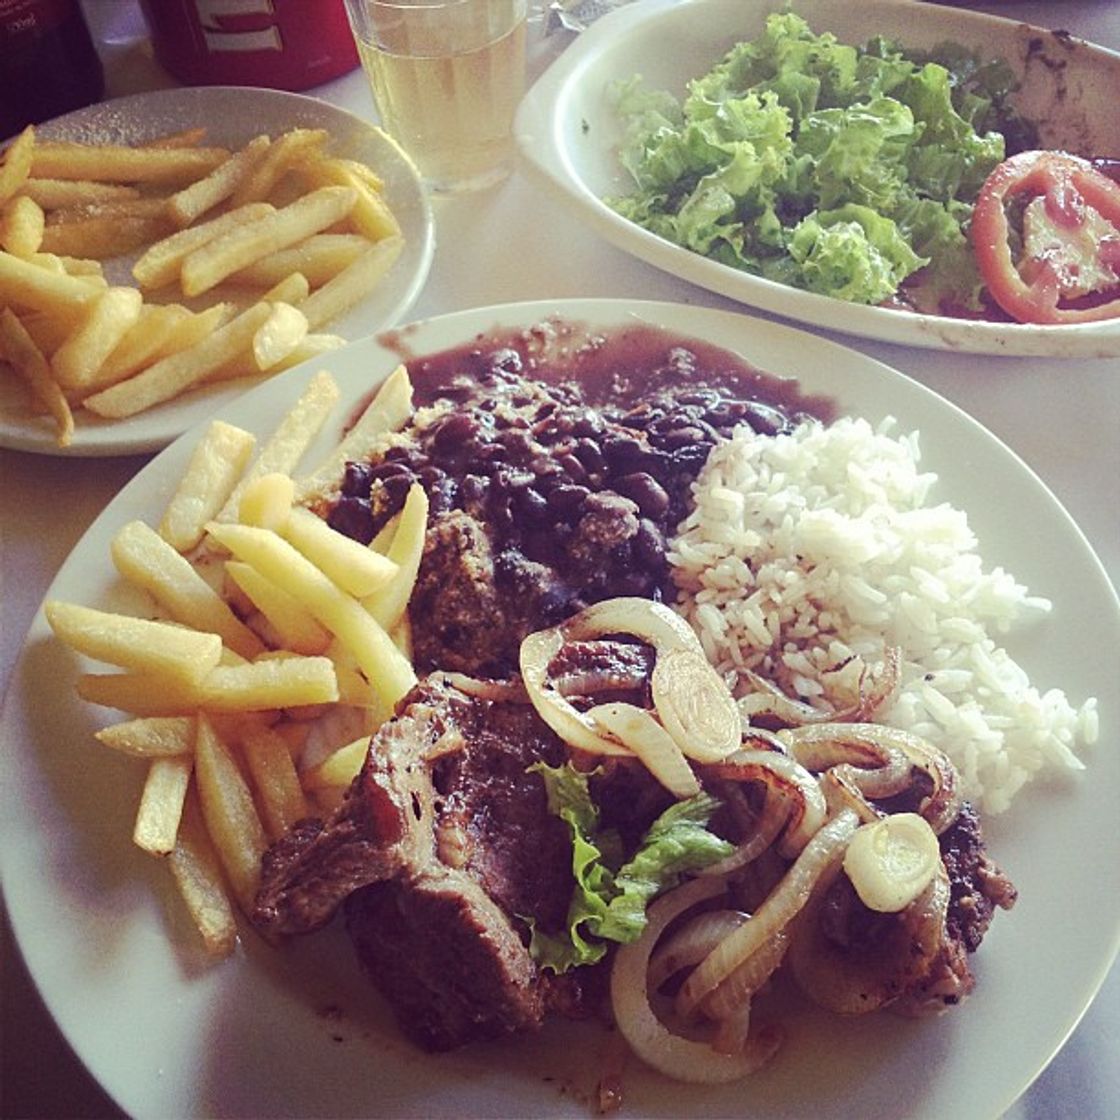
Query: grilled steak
x=443, y=850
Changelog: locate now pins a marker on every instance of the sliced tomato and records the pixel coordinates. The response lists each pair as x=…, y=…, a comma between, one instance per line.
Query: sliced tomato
x=1075, y=245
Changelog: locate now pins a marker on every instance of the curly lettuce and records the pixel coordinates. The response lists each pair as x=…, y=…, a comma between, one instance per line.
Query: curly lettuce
x=848, y=171
x=611, y=895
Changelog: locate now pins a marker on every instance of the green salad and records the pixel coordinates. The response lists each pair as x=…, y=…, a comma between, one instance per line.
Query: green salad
x=848, y=171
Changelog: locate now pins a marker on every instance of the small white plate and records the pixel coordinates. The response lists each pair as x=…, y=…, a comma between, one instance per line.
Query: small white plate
x=299, y=1032
x=568, y=132
x=231, y=116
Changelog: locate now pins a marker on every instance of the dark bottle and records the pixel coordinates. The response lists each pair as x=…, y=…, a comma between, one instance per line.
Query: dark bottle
x=48, y=64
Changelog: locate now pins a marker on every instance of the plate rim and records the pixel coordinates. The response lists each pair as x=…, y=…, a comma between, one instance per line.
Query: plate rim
x=538, y=130
x=612, y=311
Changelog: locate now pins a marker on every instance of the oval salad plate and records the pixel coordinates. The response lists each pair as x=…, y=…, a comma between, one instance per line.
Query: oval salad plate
x=569, y=132
x=231, y=117
x=298, y=1031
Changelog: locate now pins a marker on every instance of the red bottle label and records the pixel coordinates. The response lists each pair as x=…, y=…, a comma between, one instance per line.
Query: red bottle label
x=31, y=17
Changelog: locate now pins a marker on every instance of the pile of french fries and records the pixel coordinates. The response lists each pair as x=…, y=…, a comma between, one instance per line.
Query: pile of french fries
x=244, y=256
x=271, y=647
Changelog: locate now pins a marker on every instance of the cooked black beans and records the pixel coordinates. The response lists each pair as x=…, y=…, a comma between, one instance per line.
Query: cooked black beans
x=591, y=493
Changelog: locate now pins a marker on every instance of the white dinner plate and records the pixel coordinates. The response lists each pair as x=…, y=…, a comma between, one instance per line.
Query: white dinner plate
x=231, y=116
x=569, y=133
x=299, y=1032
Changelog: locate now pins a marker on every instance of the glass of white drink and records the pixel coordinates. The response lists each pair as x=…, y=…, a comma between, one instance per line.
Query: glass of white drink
x=447, y=76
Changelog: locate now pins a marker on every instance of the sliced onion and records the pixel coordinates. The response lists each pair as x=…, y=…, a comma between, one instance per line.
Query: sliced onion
x=695, y=705
x=783, y=777
x=816, y=747
x=770, y=822
x=654, y=623
x=691, y=943
x=823, y=852
x=572, y=725
x=636, y=729
x=672, y=1054
x=740, y=987
x=892, y=861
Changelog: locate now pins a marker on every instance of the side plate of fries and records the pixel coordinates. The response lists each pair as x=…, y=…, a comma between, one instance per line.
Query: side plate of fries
x=161, y=253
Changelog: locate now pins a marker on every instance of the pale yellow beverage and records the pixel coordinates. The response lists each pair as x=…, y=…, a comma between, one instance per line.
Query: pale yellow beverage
x=447, y=79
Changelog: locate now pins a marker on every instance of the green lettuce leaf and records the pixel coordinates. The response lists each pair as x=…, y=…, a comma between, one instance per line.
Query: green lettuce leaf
x=610, y=897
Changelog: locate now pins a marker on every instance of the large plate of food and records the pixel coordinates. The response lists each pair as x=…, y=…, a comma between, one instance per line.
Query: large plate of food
x=162, y=252
x=892, y=169
x=683, y=615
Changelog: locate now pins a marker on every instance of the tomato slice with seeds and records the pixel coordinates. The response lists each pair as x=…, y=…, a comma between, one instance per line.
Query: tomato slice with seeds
x=1071, y=237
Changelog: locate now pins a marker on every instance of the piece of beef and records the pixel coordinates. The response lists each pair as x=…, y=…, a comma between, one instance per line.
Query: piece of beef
x=443, y=851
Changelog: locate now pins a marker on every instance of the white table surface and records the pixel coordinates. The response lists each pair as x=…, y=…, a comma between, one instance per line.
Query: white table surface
x=1061, y=417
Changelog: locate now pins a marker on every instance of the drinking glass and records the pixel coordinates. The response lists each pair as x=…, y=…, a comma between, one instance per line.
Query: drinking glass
x=447, y=76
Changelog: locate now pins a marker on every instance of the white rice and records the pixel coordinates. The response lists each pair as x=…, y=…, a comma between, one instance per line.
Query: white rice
x=804, y=550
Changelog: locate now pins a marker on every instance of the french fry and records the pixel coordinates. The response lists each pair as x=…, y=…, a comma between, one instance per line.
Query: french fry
x=23, y=284
x=387, y=670
x=198, y=875
x=30, y=365
x=353, y=283
x=284, y=152
x=153, y=737
x=66, y=194
x=185, y=138
x=338, y=769
x=357, y=569
x=214, y=468
x=213, y=262
x=142, y=344
x=293, y=288
x=118, y=163
x=388, y=605
x=160, y=263
x=161, y=804
x=142, y=207
x=140, y=644
x=17, y=164
x=103, y=237
x=319, y=257
x=254, y=686
x=147, y=561
x=279, y=793
x=371, y=217
x=21, y=227
x=111, y=315
x=282, y=451
x=72, y=266
x=266, y=502
x=187, y=205
x=295, y=626
x=178, y=372
x=387, y=412
x=230, y=815
x=278, y=335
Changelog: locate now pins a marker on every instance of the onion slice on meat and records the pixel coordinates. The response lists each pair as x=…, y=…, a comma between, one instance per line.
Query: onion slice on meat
x=695, y=713
x=573, y=726
x=823, y=853
x=892, y=861
x=695, y=706
x=637, y=729
x=681, y=1058
x=786, y=779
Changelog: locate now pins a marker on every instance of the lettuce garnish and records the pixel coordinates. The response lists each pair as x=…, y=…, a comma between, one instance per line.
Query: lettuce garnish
x=836, y=169
x=610, y=896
